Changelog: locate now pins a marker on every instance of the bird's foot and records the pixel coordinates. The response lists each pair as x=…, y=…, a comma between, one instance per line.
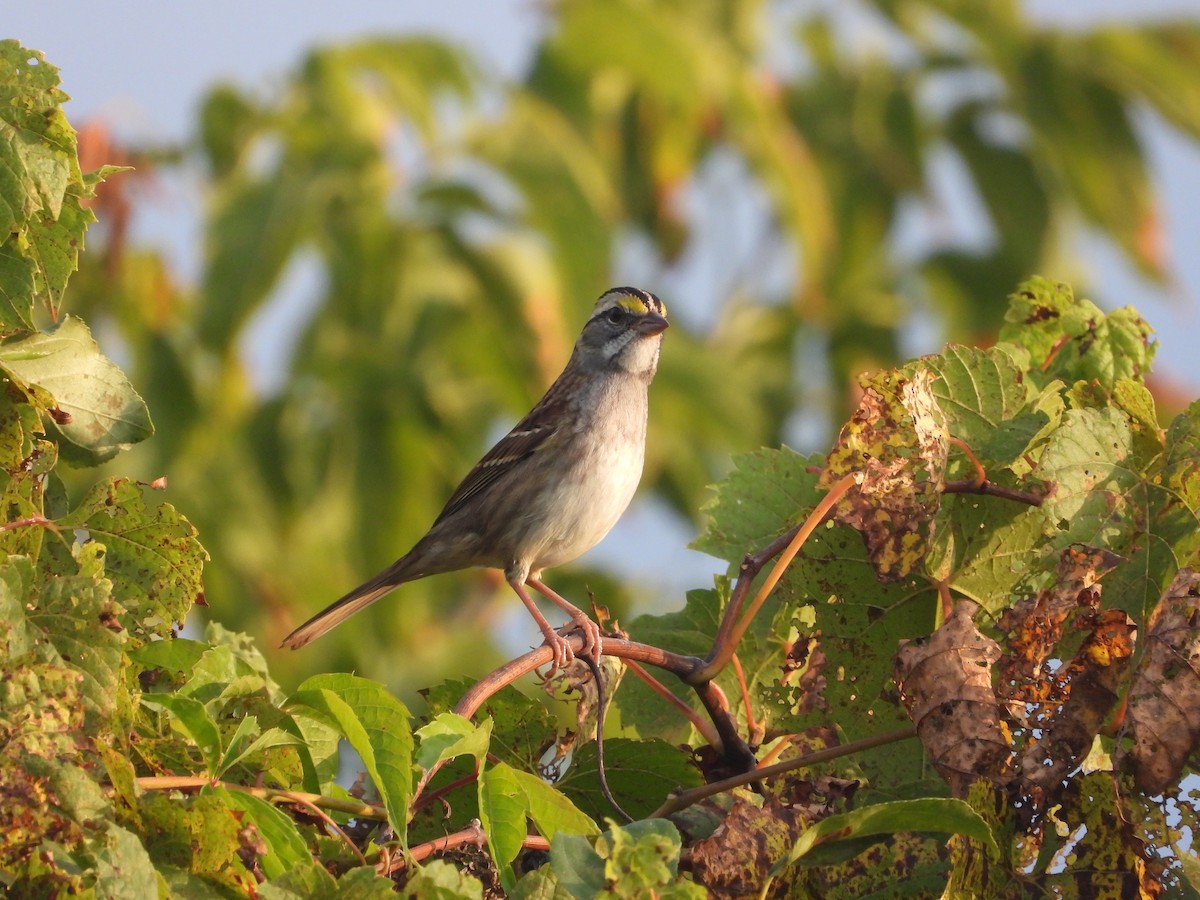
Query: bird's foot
x=593, y=639
x=559, y=642
x=560, y=647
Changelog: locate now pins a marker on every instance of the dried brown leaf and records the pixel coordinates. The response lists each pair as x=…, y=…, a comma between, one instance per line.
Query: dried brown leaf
x=1035, y=627
x=1089, y=687
x=736, y=859
x=945, y=684
x=1164, y=700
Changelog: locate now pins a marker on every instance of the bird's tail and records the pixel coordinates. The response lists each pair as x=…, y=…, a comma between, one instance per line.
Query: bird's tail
x=340, y=610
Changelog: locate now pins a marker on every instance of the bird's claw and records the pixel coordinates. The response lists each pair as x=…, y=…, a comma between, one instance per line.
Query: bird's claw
x=560, y=645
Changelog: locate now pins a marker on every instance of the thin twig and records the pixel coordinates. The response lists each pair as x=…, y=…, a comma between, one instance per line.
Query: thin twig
x=445, y=789
x=471, y=835
x=195, y=783
x=719, y=657
x=728, y=742
x=701, y=724
x=329, y=823
x=991, y=489
x=946, y=602
x=980, y=472
x=28, y=521
x=780, y=746
x=684, y=799
x=752, y=726
x=751, y=565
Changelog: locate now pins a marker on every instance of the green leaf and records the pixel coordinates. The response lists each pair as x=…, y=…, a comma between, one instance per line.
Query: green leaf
x=519, y=724
x=72, y=613
x=552, y=812
x=1073, y=340
x=377, y=726
x=988, y=404
x=286, y=848
x=54, y=245
x=637, y=860
x=105, y=413
x=450, y=735
x=641, y=774
x=252, y=234
x=578, y=868
x=1009, y=182
x=766, y=492
x=984, y=547
x=438, y=880
x=1104, y=497
x=541, y=884
x=938, y=815
x=1155, y=61
x=37, y=146
x=502, y=810
x=268, y=740
x=173, y=654
x=196, y=722
x=123, y=867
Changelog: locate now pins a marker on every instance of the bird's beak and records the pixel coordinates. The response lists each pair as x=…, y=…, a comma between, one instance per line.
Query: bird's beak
x=652, y=323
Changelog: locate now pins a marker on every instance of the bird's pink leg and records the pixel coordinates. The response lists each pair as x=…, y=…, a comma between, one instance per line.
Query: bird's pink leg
x=592, y=638
x=561, y=647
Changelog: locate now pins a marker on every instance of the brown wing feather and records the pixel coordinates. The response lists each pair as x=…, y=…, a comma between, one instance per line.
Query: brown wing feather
x=527, y=437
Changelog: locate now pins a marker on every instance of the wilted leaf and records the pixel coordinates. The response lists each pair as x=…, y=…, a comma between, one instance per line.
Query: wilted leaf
x=946, y=684
x=1086, y=690
x=1035, y=627
x=896, y=445
x=738, y=858
x=1164, y=699
x=152, y=555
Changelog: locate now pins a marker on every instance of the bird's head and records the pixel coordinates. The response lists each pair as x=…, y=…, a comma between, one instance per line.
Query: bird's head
x=624, y=332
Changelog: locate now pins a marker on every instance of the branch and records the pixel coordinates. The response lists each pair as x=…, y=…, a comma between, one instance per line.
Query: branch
x=471, y=835
x=729, y=743
x=687, y=798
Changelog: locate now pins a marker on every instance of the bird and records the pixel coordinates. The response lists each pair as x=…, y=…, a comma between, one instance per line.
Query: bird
x=551, y=488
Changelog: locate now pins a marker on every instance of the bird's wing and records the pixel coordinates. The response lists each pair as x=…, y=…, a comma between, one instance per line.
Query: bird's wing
x=526, y=438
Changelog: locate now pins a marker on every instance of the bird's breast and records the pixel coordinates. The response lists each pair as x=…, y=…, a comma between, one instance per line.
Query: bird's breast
x=589, y=496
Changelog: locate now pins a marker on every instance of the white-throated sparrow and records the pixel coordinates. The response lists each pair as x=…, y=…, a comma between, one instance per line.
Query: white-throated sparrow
x=554, y=485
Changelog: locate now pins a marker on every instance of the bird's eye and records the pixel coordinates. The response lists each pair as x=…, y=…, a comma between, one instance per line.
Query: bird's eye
x=615, y=315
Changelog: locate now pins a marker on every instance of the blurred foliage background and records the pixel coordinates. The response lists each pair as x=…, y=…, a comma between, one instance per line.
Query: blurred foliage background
x=424, y=240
